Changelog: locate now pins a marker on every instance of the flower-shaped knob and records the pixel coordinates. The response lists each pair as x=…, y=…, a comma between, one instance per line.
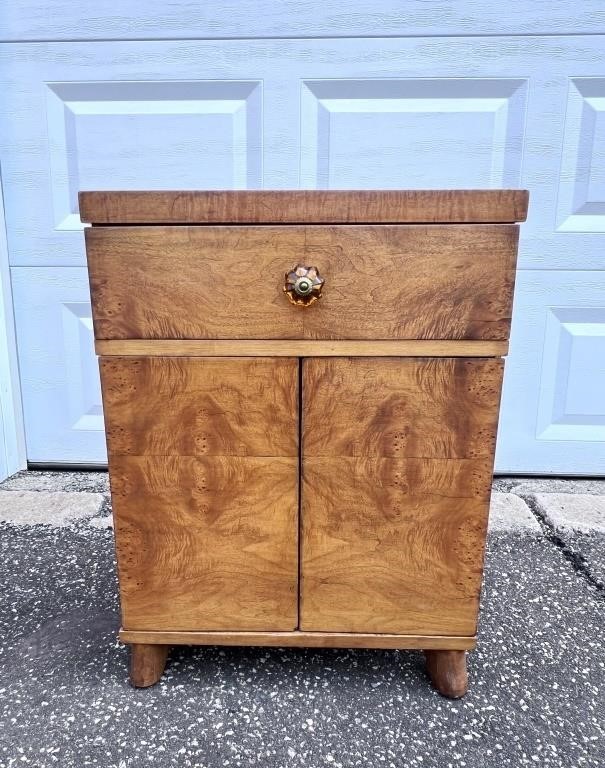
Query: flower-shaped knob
x=303, y=285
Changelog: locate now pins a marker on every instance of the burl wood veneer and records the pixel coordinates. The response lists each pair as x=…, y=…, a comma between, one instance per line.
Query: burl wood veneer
x=301, y=396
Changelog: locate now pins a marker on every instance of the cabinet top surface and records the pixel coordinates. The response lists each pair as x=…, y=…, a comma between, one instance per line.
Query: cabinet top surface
x=305, y=206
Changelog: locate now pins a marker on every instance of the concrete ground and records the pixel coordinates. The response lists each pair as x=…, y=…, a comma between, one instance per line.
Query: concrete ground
x=537, y=678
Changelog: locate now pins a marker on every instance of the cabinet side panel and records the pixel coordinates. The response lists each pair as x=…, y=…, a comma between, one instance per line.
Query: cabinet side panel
x=397, y=465
x=205, y=506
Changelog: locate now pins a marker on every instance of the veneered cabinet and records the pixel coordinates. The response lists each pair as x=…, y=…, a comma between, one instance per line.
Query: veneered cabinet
x=394, y=472
x=289, y=471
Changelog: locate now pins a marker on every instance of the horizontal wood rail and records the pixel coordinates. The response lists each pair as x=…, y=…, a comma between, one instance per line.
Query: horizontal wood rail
x=299, y=348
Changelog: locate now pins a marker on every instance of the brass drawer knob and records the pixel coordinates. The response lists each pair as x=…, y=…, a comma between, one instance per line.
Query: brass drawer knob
x=303, y=285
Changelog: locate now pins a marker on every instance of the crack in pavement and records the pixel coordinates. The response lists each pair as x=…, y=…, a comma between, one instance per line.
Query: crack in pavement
x=577, y=561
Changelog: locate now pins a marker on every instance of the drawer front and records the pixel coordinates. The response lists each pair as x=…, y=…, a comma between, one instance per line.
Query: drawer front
x=397, y=457
x=381, y=281
x=203, y=461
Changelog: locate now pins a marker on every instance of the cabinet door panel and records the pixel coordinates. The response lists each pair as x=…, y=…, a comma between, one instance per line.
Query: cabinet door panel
x=200, y=406
x=397, y=462
x=204, y=491
x=401, y=407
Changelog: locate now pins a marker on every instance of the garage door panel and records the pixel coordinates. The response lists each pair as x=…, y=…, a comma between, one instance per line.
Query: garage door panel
x=413, y=129
x=151, y=133
x=118, y=134
x=59, y=372
x=402, y=112
x=409, y=112
x=553, y=401
x=581, y=200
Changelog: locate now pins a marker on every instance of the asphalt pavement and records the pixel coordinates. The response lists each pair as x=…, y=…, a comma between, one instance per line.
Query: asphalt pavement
x=537, y=678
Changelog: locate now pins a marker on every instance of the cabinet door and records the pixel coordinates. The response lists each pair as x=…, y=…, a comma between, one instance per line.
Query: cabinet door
x=397, y=457
x=203, y=458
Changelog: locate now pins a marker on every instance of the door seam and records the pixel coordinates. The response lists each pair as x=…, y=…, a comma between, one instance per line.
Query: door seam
x=300, y=469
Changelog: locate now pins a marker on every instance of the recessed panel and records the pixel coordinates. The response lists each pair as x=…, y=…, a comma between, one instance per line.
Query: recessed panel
x=151, y=135
x=553, y=400
x=416, y=133
x=572, y=391
x=581, y=206
x=59, y=371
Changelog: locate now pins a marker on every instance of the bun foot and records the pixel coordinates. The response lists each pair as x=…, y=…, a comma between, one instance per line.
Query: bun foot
x=447, y=670
x=147, y=663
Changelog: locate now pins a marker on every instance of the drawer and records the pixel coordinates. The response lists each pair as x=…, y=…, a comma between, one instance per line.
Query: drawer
x=409, y=281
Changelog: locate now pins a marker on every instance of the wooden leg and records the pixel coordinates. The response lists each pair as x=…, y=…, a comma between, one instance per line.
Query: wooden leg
x=447, y=670
x=147, y=663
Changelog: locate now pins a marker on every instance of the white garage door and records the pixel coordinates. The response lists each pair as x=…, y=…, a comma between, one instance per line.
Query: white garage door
x=460, y=104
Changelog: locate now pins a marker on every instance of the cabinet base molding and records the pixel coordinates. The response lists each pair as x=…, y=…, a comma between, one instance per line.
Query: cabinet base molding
x=297, y=639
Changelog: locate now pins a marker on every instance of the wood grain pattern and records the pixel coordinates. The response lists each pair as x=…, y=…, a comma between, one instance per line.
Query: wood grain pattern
x=208, y=543
x=295, y=347
x=390, y=545
x=200, y=406
x=382, y=282
x=304, y=206
x=402, y=408
x=397, y=462
x=203, y=463
x=298, y=639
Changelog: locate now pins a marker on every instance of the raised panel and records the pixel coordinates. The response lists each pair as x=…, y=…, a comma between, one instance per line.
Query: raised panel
x=101, y=118
x=553, y=404
x=432, y=133
x=581, y=206
x=152, y=135
x=59, y=372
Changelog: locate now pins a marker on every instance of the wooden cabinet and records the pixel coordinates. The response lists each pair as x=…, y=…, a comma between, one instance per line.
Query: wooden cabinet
x=293, y=471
